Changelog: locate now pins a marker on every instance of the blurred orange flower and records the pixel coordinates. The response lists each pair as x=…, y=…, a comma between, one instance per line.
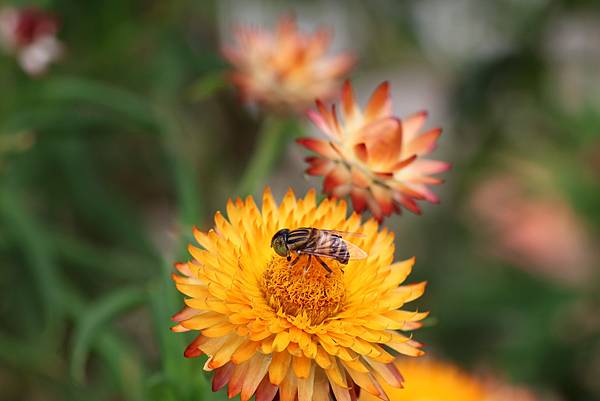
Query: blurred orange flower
x=431, y=380
x=285, y=70
x=271, y=327
x=373, y=156
x=427, y=380
x=30, y=33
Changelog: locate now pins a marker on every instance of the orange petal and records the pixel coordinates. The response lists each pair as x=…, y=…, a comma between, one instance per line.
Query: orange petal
x=193, y=350
x=319, y=166
x=184, y=314
x=236, y=381
x=279, y=367
x=281, y=341
x=380, y=104
x=301, y=366
x=318, y=43
x=403, y=163
x=409, y=204
x=348, y=103
x=338, y=176
x=288, y=388
x=425, y=143
x=359, y=201
x=257, y=370
x=389, y=372
x=306, y=386
x=361, y=153
x=383, y=139
x=383, y=196
x=318, y=120
x=426, y=167
x=324, y=148
x=338, y=65
x=223, y=355
x=321, y=386
x=245, y=352
x=413, y=124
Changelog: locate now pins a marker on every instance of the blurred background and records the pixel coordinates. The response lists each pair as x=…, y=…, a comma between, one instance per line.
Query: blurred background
x=110, y=155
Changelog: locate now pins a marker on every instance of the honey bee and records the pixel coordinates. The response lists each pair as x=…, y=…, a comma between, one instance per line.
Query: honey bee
x=318, y=243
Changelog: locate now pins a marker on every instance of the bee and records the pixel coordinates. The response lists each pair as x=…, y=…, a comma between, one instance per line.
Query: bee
x=318, y=243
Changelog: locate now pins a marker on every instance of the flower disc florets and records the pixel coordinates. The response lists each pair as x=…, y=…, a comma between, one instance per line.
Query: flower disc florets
x=307, y=291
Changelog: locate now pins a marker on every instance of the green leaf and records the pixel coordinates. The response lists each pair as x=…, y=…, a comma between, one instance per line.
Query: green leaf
x=76, y=90
x=94, y=319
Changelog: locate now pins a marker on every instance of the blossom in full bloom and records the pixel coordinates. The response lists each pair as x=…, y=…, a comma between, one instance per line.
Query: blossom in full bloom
x=372, y=156
x=30, y=34
x=433, y=381
x=271, y=328
x=286, y=69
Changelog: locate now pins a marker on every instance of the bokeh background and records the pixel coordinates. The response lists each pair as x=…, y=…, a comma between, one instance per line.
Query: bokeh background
x=108, y=159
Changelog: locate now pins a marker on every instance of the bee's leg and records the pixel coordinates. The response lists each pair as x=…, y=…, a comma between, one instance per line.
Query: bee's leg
x=324, y=264
x=295, y=260
x=308, y=263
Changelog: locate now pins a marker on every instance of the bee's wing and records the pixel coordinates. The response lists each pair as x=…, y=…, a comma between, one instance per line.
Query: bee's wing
x=328, y=250
x=355, y=251
x=343, y=233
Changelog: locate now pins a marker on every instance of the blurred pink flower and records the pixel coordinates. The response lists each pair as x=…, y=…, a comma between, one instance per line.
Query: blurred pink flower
x=541, y=234
x=30, y=34
x=497, y=390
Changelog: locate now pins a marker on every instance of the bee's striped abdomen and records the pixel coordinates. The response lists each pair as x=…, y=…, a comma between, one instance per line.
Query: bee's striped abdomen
x=343, y=254
x=339, y=250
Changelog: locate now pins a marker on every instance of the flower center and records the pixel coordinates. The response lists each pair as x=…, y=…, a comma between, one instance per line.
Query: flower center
x=304, y=290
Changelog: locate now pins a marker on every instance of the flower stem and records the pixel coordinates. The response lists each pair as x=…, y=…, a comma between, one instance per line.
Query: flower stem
x=271, y=142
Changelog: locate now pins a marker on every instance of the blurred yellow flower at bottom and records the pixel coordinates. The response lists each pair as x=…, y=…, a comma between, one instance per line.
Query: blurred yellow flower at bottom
x=427, y=380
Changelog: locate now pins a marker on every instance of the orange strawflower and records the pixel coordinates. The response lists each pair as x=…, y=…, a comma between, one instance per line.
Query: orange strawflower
x=271, y=327
x=374, y=157
x=287, y=69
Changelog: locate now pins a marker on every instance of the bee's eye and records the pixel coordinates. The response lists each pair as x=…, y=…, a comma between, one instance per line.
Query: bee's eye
x=280, y=248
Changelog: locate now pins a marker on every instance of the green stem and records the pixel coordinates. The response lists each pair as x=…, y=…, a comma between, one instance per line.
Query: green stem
x=271, y=142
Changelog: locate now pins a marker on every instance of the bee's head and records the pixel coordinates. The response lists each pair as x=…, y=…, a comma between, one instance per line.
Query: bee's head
x=278, y=242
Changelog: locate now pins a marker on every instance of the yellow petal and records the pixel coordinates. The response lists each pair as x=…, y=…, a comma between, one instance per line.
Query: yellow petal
x=281, y=341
